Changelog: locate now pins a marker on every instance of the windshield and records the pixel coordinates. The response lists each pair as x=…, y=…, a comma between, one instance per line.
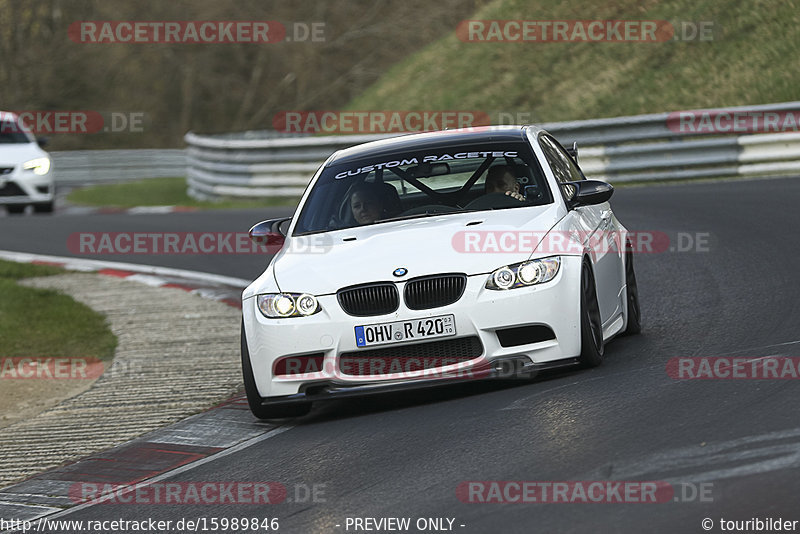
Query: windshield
x=447, y=179
x=10, y=132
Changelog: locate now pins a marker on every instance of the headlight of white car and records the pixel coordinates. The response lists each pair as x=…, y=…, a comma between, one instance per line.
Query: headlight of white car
x=40, y=166
x=526, y=273
x=281, y=305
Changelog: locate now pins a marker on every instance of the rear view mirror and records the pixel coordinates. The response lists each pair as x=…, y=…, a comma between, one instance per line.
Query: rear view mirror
x=587, y=192
x=424, y=170
x=268, y=233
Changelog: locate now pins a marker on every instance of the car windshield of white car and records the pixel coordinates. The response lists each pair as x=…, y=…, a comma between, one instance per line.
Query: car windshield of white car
x=412, y=184
x=11, y=133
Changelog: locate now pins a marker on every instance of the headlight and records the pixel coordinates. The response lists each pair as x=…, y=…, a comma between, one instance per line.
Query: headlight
x=503, y=278
x=40, y=166
x=279, y=305
x=524, y=274
x=307, y=304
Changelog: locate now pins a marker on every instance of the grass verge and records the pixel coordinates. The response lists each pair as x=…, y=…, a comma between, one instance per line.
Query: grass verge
x=162, y=192
x=42, y=322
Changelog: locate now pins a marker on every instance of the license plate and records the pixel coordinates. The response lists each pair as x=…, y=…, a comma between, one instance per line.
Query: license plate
x=397, y=332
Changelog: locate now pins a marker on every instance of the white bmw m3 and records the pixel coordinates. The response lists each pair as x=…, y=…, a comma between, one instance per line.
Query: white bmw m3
x=433, y=257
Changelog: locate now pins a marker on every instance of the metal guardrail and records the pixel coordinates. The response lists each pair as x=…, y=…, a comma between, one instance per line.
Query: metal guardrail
x=258, y=167
x=621, y=149
x=97, y=166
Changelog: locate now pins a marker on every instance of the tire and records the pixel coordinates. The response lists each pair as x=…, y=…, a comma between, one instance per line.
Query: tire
x=15, y=209
x=591, y=324
x=43, y=207
x=254, y=400
x=634, y=318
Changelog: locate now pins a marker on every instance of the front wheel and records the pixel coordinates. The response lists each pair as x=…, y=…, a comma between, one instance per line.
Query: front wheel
x=254, y=400
x=591, y=325
x=15, y=209
x=43, y=207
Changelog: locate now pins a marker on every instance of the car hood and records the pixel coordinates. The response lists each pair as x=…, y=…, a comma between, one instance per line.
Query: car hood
x=423, y=246
x=14, y=154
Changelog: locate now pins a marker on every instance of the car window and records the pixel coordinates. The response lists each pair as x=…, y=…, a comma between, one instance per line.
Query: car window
x=408, y=184
x=11, y=133
x=563, y=165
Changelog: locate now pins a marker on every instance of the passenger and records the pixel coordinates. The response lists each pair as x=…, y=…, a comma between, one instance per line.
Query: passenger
x=501, y=180
x=366, y=203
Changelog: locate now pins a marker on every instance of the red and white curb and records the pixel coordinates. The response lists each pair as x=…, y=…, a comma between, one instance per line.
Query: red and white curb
x=138, y=210
x=212, y=286
x=160, y=454
x=157, y=456
x=69, y=209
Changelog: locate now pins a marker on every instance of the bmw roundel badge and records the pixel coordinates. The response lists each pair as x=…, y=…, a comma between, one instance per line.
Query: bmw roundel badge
x=400, y=271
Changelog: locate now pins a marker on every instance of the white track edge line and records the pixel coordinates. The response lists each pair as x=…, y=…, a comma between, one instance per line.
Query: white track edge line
x=177, y=471
x=134, y=267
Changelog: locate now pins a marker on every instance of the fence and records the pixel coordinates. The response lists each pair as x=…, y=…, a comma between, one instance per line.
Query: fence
x=253, y=167
x=659, y=146
x=639, y=148
x=97, y=166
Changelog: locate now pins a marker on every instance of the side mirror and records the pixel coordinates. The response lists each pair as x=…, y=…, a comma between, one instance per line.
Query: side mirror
x=269, y=234
x=42, y=141
x=573, y=151
x=587, y=192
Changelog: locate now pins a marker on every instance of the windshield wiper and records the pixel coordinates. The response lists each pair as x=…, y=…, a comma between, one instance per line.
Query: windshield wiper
x=406, y=217
x=420, y=215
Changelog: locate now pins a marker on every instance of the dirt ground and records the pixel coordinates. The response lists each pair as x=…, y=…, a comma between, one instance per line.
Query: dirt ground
x=24, y=398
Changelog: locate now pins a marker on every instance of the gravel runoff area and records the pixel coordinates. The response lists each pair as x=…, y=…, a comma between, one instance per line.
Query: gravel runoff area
x=177, y=355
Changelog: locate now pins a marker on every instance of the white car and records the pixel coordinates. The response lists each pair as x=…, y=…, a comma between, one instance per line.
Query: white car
x=25, y=174
x=428, y=258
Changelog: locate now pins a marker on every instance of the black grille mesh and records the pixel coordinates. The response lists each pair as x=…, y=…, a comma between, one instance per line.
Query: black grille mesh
x=371, y=299
x=10, y=189
x=434, y=291
x=409, y=358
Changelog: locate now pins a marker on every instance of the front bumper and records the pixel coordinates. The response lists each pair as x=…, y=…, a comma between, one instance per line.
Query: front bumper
x=479, y=312
x=517, y=367
x=24, y=187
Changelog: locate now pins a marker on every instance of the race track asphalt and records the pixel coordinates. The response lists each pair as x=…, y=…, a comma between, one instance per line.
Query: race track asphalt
x=404, y=455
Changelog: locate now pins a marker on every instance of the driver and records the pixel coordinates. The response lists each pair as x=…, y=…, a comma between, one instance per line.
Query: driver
x=501, y=180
